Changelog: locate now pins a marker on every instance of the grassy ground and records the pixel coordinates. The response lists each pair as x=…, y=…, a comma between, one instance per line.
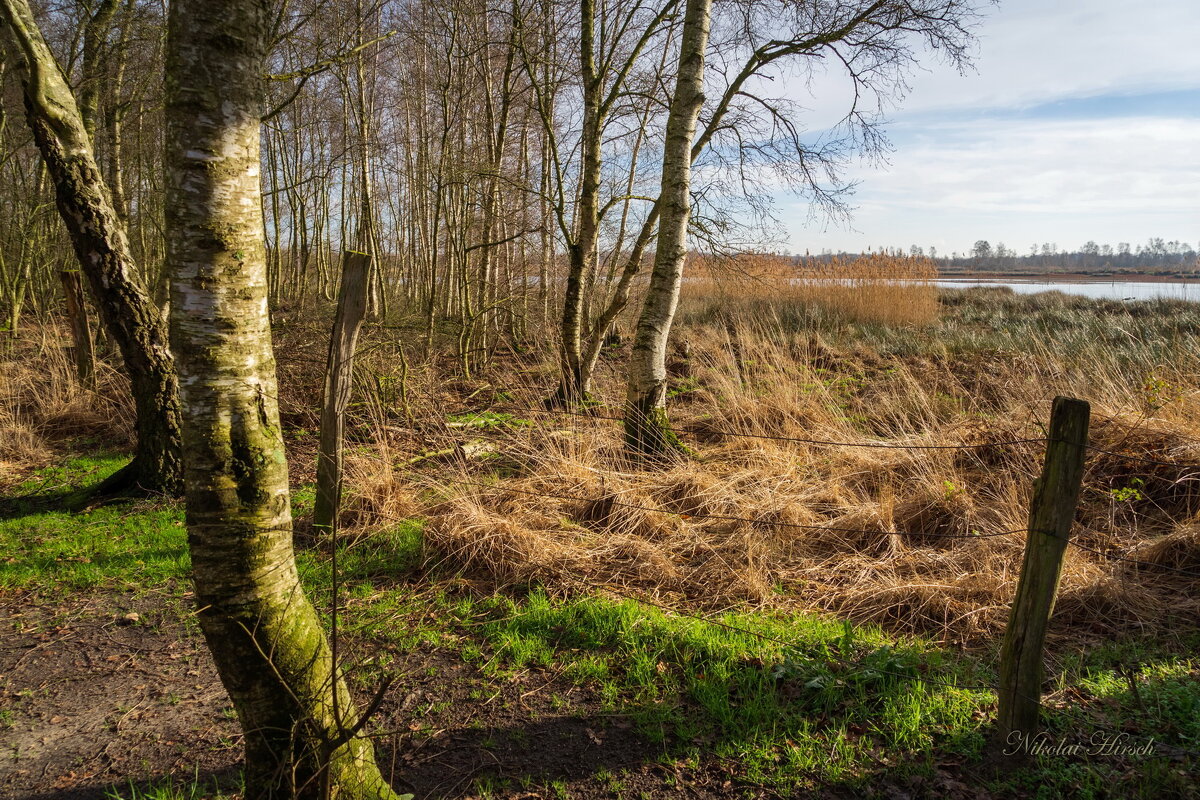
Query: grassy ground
x=773, y=703
x=545, y=649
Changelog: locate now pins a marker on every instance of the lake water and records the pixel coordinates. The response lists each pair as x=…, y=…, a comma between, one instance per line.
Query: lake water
x=1106, y=290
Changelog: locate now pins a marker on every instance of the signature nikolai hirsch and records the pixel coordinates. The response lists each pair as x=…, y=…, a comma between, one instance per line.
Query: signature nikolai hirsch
x=1100, y=744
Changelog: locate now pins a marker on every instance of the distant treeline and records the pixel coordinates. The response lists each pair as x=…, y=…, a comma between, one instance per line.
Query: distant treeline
x=1156, y=255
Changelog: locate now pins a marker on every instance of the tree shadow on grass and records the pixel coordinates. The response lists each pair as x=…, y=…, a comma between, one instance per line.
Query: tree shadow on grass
x=514, y=755
x=67, y=489
x=29, y=504
x=849, y=713
x=705, y=735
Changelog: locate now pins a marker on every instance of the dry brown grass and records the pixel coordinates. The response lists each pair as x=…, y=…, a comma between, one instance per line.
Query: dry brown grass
x=871, y=534
x=42, y=402
x=900, y=564
x=892, y=290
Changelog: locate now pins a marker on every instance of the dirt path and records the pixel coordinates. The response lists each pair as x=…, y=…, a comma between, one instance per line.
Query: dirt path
x=103, y=690
x=92, y=697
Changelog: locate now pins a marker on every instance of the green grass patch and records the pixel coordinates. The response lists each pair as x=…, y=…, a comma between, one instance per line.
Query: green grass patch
x=43, y=546
x=813, y=701
x=820, y=708
x=194, y=788
x=485, y=420
x=796, y=701
x=366, y=566
x=373, y=585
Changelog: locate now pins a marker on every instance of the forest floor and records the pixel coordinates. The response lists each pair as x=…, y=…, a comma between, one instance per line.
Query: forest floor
x=550, y=681
x=108, y=690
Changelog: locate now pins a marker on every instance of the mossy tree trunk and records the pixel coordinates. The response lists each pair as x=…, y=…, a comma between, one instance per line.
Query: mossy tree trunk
x=647, y=433
x=302, y=737
x=102, y=248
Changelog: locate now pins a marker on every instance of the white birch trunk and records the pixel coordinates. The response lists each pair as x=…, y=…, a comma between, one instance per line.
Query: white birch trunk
x=646, y=430
x=301, y=736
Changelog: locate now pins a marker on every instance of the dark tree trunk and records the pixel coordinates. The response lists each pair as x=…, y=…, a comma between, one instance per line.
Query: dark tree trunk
x=98, y=238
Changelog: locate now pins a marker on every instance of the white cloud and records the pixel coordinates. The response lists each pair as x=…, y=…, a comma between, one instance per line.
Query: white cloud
x=1048, y=166
x=984, y=156
x=1037, y=51
x=1119, y=179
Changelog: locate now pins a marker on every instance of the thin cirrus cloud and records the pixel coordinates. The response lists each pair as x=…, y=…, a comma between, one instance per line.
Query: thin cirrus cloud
x=1082, y=121
x=1033, y=51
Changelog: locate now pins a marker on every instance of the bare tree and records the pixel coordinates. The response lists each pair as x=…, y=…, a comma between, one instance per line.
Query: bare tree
x=646, y=429
x=612, y=40
x=874, y=41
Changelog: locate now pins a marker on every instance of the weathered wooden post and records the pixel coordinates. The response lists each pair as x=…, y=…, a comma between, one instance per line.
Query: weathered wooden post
x=351, y=308
x=81, y=333
x=1055, y=496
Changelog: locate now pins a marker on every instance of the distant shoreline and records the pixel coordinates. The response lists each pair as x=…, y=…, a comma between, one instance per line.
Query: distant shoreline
x=1064, y=277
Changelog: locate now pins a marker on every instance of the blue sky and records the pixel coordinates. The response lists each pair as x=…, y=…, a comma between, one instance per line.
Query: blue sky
x=1080, y=121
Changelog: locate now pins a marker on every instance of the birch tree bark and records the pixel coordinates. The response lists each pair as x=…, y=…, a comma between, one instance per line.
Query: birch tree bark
x=102, y=248
x=302, y=733
x=879, y=35
x=647, y=433
x=581, y=251
x=612, y=39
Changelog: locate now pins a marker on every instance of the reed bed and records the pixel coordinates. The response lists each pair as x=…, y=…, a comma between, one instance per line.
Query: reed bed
x=878, y=288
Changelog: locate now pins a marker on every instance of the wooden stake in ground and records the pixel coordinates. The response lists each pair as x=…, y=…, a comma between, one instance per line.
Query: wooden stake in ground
x=339, y=370
x=81, y=334
x=1056, y=494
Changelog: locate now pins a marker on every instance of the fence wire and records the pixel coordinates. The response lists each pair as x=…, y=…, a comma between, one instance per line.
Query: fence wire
x=711, y=431
x=687, y=515
x=1143, y=460
x=801, y=526
x=693, y=430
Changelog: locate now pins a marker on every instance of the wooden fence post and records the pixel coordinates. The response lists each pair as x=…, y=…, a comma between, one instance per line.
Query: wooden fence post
x=339, y=371
x=81, y=334
x=1055, y=496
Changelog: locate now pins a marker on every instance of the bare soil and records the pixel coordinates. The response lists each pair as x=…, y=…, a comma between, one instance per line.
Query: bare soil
x=92, y=696
x=94, y=700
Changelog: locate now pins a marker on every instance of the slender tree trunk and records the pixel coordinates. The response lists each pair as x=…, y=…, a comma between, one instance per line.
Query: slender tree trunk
x=81, y=334
x=301, y=733
x=95, y=31
x=103, y=251
x=114, y=120
x=646, y=430
x=368, y=233
x=574, y=383
x=620, y=297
